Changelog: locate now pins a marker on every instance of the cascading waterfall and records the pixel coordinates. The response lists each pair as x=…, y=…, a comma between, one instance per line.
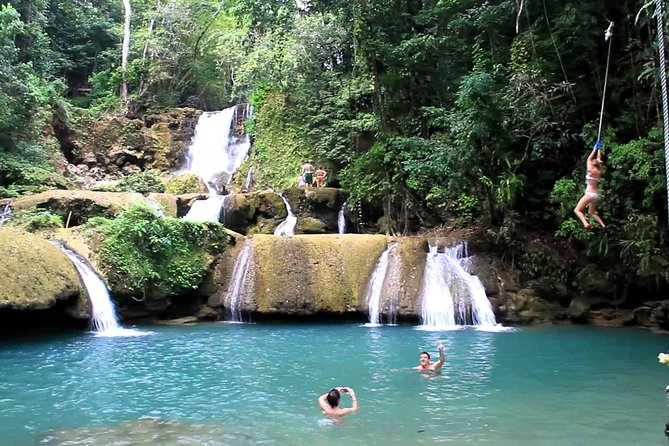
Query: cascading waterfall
x=5, y=214
x=206, y=210
x=248, y=184
x=239, y=274
x=215, y=153
x=376, y=286
x=104, y=320
x=392, y=285
x=287, y=227
x=341, y=220
x=451, y=296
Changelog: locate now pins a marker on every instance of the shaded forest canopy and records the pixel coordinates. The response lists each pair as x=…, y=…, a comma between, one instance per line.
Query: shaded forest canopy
x=430, y=111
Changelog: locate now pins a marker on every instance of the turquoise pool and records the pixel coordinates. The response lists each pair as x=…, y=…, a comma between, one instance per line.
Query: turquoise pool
x=239, y=384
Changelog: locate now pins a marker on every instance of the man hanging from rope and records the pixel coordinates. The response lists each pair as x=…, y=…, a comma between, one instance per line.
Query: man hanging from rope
x=591, y=196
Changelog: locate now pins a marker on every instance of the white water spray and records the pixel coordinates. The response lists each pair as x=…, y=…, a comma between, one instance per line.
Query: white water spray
x=104, y=320
x=451, y=296
x=239, y=274
x=376, y=286
x=286, y=227
x=5, y=213
x=341, y=220
x=215, y=153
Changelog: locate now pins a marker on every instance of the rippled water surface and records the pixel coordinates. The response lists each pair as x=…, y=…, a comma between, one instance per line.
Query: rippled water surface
x=241, y=384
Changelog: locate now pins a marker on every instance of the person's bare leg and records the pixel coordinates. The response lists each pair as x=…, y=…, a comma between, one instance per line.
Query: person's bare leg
x=592, y=210
x=580, y=207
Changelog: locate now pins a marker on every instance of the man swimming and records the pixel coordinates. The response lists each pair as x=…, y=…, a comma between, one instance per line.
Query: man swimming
x=425, y=364
x=329, y=402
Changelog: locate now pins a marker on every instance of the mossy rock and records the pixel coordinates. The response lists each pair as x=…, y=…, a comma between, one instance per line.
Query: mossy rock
x=168, y=203
x=35, y=274
x=310, y=225
x=81, y=203
x=186, y=183
x=412, y=252
x=311, y=274
x=239, y=212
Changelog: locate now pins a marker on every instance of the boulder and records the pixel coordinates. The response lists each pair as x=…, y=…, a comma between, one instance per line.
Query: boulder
x=306, y=275
x=167, y=202
x=81, y=203
x=186, y=183
x=36, y=275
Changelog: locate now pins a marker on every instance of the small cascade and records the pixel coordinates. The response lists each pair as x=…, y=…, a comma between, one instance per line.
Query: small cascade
x=248, y=184
x=451, y=296
x=376, y=286
x=239, y=274
x=220, y=145
x=341, y=220
x=5, y=213
x=287, y=227
x=104, y=320
x=206, y=210
x=157, y=208
x=392, y=285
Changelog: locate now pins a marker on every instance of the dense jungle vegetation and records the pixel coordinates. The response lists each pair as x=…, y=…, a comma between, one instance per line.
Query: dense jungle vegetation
x=479, y=113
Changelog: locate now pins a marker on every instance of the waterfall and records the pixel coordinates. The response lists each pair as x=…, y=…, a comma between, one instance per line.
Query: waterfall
x=451, y=296
x=287, y=227
x=104, y=320
x=376, y=286
x=215, y=154
x=5, y=214
x=239, y=274
x=341, y=220
x=206, y=210
x=248, y=184
x=392, y=285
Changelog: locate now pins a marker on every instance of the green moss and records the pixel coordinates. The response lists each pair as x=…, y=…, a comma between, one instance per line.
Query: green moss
x=34, y=220
x=142, y=182
x=156, y=255
x=306, y=274
x=185, y=184
x=34, y=273
x=279, y=144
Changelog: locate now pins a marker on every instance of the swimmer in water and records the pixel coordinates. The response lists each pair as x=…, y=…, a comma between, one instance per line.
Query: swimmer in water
x=425, y=364
x=329, y=402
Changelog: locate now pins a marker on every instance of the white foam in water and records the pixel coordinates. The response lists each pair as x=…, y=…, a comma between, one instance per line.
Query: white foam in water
x=452, y=298
x=5, y=213
x=104, y=320
x=287, y=227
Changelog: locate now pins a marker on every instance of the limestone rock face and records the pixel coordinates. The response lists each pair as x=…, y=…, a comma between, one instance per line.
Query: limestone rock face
x=35, y=274
x=317, y=209
x=83, y=204
x=112, y=146
x=304, y=275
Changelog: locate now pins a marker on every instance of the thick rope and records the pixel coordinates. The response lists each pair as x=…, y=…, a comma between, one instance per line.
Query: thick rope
x=607, y=36
x=659, y=16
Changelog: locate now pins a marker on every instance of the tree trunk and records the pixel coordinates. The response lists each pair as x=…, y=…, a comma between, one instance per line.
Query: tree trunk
x=125, y=51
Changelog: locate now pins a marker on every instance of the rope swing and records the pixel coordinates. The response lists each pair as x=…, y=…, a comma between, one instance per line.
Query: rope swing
x=607, y=38
x=659, y=18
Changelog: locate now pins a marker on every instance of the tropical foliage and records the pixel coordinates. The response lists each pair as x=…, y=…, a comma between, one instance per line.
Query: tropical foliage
x=427, y=112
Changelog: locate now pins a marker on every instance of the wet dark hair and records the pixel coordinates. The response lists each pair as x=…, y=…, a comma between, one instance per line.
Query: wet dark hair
x=425, y=353
x=333, y=398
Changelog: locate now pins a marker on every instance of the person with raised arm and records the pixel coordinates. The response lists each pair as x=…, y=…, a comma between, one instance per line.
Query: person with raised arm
x=329, y=402
x=425, y=364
